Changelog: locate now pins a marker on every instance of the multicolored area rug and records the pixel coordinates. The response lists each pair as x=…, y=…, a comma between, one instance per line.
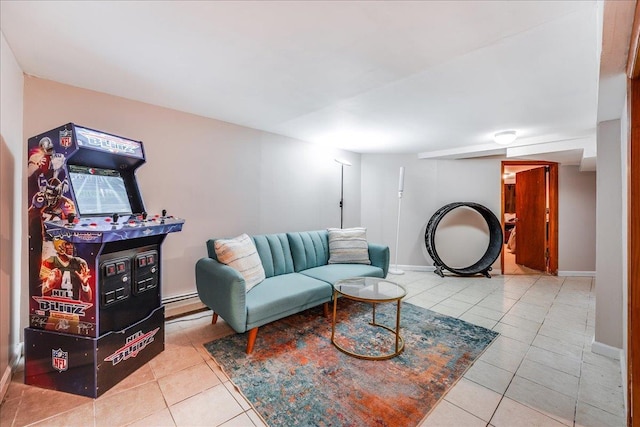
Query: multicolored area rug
x=296, y=377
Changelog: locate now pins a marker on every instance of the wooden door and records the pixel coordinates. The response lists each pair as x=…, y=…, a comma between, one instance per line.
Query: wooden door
x=531, y=225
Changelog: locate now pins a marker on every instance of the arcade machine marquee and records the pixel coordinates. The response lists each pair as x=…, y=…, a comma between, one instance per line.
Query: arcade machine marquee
x=95, y=311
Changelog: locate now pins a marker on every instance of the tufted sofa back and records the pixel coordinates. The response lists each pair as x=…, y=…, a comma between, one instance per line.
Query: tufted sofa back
x=275, y=254
x=287, y=253
x=309, y=249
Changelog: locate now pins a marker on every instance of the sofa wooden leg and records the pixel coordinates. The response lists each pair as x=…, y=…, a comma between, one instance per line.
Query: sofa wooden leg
x=251, y=340
x=325, y=308
x=214, y=319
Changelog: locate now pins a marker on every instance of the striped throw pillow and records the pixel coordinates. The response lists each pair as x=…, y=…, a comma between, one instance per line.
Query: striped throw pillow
x=348, y=246
x=240, y=253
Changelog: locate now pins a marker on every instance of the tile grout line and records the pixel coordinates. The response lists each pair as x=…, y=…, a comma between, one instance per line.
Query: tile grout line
x=497, y=322
x=525, y=355
x=519, y=364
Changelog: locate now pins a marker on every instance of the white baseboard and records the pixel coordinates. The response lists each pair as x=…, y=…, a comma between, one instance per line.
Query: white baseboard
x=414, y=267
x=495, y=271
x=425, y=268
x=565, y=273
x=625, y=385
x=5, y=381
x=606, y=350
x=616, y=354
x=12, y=367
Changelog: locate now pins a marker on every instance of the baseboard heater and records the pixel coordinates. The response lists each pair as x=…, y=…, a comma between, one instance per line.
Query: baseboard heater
x=179, y=298
x=182, y=305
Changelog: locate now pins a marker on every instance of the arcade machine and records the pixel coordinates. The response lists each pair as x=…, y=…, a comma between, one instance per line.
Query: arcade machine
x=95, y=311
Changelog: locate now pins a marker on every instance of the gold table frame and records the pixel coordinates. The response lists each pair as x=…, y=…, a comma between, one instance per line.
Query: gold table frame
x=356, y=289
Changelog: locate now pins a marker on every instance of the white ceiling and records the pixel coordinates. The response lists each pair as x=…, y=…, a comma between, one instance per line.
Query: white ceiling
x=367, y=76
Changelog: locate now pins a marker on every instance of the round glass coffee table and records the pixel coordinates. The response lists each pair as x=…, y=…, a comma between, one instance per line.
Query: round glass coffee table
x=375, y=291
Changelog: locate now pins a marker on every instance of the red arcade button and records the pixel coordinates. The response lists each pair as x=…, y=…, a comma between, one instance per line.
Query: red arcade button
x=110, y=269
x=120, y=267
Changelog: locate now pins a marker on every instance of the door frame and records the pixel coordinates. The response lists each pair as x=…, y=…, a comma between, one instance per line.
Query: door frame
x=633, y=257
x=633, y=228
x=553, y=208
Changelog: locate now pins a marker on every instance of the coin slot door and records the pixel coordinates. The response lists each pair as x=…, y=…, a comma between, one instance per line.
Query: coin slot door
x=147, y=271
x=116, y=279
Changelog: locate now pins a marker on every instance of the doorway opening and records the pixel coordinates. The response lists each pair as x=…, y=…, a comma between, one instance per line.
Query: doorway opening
x=529, y=217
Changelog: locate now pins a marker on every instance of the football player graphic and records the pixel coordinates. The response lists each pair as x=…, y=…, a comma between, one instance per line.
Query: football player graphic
x=65, y=275
x=44, y=163
x=46, y=205
x=51, y=203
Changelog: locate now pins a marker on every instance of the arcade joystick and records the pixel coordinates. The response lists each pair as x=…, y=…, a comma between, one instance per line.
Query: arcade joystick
x=115, y=217
x=70, y=219
x=144, y=216
x=164, y=213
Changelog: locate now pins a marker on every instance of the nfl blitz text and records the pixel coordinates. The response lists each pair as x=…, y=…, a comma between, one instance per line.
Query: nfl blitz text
x=135, y=344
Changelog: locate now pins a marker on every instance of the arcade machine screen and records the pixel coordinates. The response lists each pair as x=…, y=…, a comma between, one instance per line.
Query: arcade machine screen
x=99, y=191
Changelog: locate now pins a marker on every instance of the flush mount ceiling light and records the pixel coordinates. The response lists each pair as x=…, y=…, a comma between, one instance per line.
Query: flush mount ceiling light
x=505, y=138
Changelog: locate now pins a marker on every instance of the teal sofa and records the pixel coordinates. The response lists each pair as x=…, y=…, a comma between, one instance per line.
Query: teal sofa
x=298, y=277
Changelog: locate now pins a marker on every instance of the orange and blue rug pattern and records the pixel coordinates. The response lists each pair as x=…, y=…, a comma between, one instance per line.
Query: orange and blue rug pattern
x=296, y=377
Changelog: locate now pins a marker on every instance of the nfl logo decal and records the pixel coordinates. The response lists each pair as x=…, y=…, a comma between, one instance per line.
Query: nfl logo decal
x=65, y=138
x=59, y=360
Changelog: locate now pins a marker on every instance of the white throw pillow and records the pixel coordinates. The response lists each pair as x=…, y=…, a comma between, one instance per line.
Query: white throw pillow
x=240, y=253
x=348, y=246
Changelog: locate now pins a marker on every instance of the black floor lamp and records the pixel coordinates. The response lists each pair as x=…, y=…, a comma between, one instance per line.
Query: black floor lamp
x=343, y=163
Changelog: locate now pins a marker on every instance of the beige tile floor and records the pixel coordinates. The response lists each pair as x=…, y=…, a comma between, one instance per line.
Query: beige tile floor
x=539, y=372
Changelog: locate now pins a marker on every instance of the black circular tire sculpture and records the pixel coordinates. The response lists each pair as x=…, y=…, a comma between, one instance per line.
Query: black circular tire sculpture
x=483, y=265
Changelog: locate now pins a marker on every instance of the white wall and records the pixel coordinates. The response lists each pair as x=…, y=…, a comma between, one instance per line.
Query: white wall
x=222, y=178
x=576, y=221
x=609, y=252
x=11, y=155
x=431, y=184
x=380, y=203
x=301, y=182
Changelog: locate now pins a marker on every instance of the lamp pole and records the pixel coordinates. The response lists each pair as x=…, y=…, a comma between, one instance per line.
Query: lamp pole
x=343, y=163
x=341, y=195
x=400, y=191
